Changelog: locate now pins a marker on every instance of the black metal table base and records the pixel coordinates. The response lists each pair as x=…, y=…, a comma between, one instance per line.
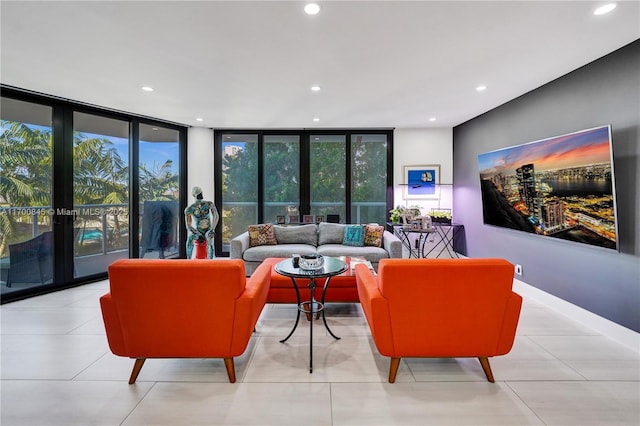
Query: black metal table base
x=441, y=235
x=446, y=238
x=313, y=308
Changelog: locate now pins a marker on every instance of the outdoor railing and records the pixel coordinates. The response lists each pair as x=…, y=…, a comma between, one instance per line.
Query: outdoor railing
x=315, y=206
x=97, y=216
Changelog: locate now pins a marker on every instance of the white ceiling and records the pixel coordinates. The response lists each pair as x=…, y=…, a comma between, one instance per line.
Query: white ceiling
x=245, y=64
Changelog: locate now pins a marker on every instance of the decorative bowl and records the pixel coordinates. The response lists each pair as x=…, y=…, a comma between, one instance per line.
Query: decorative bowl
x=311, y=261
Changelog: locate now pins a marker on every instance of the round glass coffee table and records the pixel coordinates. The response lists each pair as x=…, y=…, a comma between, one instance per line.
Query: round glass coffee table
x=331, y=267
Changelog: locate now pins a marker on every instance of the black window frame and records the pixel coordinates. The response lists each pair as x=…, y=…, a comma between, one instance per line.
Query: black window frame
x=305, y=179
x=62, y=175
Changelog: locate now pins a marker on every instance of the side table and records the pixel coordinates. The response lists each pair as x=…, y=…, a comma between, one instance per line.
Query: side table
x=331, y=267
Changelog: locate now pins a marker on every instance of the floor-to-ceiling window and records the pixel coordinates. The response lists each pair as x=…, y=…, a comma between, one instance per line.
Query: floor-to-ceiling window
x=328, y=175
x=75, y=184
x=238, y=185
x=100, y=192
x=26, y=214
x=158, y=191
x=269, y=176
x=369, y=164
x=281, y=174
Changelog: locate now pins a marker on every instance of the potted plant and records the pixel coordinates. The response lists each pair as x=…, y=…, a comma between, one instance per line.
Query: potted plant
x=395, y=215
x=441, y=216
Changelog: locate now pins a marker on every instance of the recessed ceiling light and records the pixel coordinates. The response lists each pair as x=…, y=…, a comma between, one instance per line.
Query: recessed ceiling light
x=147, y=88
x=315, y=88
x=604, y=9
x=316, y=119
x=311, y=8
x=481, y=88
x=199, y=119
x=432, y=119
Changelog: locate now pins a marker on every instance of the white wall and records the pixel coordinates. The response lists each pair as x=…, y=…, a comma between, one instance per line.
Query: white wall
x=414, y=147
x=200, y=161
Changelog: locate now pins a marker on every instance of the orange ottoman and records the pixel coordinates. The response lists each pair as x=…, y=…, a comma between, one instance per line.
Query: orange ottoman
x=342, y=288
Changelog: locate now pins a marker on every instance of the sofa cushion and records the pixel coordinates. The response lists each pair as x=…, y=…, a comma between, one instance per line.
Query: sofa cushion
x=353, y=235
x=373, y=254
x=260, y=235
x=330, y=233
x=260, y=253
x=302, y=234
x=373, y=235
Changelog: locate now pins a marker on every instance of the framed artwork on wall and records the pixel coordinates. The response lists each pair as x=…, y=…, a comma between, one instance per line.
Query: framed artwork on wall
x=560, y=187
x=420, y=182
x=308, y=218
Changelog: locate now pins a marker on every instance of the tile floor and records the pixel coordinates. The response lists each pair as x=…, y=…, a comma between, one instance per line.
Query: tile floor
x=56, y=369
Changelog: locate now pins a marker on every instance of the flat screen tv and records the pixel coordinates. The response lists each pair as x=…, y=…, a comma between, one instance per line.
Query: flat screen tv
x=561, y=187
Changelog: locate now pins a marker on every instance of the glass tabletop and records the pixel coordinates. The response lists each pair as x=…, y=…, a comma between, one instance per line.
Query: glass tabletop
x=331, y=266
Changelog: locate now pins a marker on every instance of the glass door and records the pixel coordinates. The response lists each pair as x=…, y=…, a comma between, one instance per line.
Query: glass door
x=100, y=192
x=26, y=209
x=328, y=176
x=239, y=194
x=368, y=178
x=81, y=187
x=158, y=191
x=285, y=176
x=281, y=177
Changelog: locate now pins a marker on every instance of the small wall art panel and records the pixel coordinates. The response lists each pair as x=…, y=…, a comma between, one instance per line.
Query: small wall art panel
x=421, y=182
x=560, y=187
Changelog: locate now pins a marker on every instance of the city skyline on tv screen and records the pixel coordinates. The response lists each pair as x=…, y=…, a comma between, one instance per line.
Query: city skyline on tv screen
x=560, y=187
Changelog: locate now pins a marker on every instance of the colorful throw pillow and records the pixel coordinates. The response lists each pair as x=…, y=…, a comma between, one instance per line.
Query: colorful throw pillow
x=373, y=235
x=353, y=235
x=262, y=235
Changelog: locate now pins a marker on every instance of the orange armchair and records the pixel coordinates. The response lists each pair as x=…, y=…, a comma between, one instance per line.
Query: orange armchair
x=440, y=308
x=178, y=308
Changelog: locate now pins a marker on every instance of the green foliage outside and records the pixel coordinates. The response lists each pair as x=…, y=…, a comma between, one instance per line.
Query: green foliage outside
x=240, y=190
x=281, y=177
x=100, y=176
x=369, y=180
x=328, y=177
x=281, y=181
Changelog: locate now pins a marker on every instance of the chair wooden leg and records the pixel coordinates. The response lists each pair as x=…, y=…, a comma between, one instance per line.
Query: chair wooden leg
x=484, y=361
x=137, y=366
x=231, y=370
x=393, y=369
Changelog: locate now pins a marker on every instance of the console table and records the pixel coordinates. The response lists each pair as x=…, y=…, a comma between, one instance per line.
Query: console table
x=441, y=234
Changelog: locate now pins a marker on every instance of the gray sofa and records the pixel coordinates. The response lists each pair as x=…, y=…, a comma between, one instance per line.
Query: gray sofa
x=324, y=238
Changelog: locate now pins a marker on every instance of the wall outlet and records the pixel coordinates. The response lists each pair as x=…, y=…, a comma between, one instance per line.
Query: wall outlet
x=518, y=269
